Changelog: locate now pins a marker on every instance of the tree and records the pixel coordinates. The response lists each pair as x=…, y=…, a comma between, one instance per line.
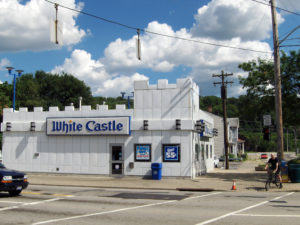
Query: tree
x=260, y=87
x=5, y=96
x=62, y=90
x=216, y=105
x=27, y=92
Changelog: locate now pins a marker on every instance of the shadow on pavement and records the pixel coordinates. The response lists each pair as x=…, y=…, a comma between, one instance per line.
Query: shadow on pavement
x=238, y=176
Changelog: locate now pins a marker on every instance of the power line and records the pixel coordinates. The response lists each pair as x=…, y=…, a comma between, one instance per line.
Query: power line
x=91, y=15
x=289, y=45
x=289, y=39
x=268, y=4
x=155, y=33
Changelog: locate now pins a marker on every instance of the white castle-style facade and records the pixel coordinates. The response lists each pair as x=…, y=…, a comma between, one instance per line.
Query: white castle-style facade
x=164, y=127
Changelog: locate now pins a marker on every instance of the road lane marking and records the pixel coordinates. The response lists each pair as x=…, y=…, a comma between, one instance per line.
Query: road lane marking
x=260, y=215
x=11, y=202
x=62, y=195
x=30, y=203
x=39, y=193
x=242, y=210
x=201, y=196
x=119, y=210
x=31, y=193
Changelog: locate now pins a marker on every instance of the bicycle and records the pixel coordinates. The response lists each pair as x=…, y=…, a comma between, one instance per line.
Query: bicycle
x=273, y=178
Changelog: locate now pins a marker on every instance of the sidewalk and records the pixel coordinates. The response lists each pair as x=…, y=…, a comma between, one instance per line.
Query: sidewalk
x=246, y=179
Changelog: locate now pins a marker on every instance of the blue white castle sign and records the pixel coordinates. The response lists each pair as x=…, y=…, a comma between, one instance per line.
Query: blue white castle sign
x=89, y=126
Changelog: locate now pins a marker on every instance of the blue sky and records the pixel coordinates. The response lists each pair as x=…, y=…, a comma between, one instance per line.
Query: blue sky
x=104, y=54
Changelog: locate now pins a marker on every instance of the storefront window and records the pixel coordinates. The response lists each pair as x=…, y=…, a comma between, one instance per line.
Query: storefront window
x=171, y=152
x=142, y=152
x=202, y=152
x=197, y=152
x=211, y=151
x=207, y=151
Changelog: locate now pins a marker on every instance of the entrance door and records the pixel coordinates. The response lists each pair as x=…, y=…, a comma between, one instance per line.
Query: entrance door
x=117, y=160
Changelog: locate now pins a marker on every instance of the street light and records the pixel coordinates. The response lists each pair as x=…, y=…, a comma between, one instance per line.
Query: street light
x=128, y=98
x=19, y=74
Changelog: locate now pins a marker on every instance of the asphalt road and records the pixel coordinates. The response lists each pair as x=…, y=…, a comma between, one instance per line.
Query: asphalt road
x=77, y=205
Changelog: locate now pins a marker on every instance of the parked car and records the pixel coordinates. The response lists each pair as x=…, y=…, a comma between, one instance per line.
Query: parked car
x=264, y=156
x=216, y=161
x=12, y=181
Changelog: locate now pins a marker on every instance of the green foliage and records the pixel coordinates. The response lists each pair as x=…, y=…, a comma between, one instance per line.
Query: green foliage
x=5, y=94
x=231, y=156
x=244, y=156
x=62, y=90
x=255, y=142
x=216, y=105
x=260, y=88
x=45, y=90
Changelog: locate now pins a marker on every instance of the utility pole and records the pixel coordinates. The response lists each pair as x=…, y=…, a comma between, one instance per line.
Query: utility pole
x=278, y=102
x=224, y=97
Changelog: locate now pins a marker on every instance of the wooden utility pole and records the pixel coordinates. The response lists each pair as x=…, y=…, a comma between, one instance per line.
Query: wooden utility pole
x=224, y=97
x=278, y=102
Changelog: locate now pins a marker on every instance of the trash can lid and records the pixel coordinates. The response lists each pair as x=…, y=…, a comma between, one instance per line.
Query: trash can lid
x=156, y=165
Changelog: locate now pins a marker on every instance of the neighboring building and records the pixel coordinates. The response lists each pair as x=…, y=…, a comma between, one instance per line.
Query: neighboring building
x=233, y=134
x=232, y=128
x=162, y=128
x=218, y=140
x=241, y=146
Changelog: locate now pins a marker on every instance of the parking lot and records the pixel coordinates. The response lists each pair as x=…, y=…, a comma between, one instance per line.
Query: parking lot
x=42, y=204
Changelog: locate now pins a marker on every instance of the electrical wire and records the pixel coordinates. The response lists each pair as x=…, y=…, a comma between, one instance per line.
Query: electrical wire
x=268, y=4
x=289, y=45
x=156, y=33
x=289, y=39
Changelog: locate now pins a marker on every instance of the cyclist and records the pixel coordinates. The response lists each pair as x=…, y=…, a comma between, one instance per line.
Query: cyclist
x=273, y=165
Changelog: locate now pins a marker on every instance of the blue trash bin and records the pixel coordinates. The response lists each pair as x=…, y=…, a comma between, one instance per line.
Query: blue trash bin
x=156, y=171
x=284, y=171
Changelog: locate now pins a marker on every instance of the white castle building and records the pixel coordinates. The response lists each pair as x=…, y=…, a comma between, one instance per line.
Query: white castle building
x=166, y=126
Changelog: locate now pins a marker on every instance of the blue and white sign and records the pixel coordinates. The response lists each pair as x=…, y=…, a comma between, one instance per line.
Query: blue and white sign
x=208, y=130
x=171, y=153
x=88, y=126
x=142, y=152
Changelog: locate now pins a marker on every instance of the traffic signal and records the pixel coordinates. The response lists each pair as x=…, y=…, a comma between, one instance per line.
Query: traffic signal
x=266, y=132
x=200, y=126
x=215, y=132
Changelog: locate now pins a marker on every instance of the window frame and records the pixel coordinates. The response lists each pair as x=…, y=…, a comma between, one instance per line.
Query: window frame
x=136, y=150
x=178, y=153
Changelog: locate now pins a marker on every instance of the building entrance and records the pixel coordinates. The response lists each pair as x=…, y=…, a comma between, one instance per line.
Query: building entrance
x=117, y=161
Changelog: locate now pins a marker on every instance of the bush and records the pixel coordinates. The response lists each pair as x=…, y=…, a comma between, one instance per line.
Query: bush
x=231, y=156
x=244, y=156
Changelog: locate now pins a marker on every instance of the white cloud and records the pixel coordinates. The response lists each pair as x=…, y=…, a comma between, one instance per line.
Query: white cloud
x=227, y=19
x=291, y=5
x=94, y=73
x=113, y=87
x=83, y=66
x=115, y=69
x=27, y=26
x=163, y=54
x=4, y=63
x=245, y=27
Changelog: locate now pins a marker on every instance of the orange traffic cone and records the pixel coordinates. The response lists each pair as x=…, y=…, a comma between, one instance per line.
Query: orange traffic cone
x=233, y=185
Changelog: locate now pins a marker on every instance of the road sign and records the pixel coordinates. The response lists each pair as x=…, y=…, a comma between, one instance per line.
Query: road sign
x=267, y=120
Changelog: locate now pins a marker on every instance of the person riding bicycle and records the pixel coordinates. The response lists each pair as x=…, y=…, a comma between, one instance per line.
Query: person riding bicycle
x=273, y=165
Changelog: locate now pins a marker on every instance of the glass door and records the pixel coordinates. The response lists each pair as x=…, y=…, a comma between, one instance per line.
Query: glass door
x=117, y=160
